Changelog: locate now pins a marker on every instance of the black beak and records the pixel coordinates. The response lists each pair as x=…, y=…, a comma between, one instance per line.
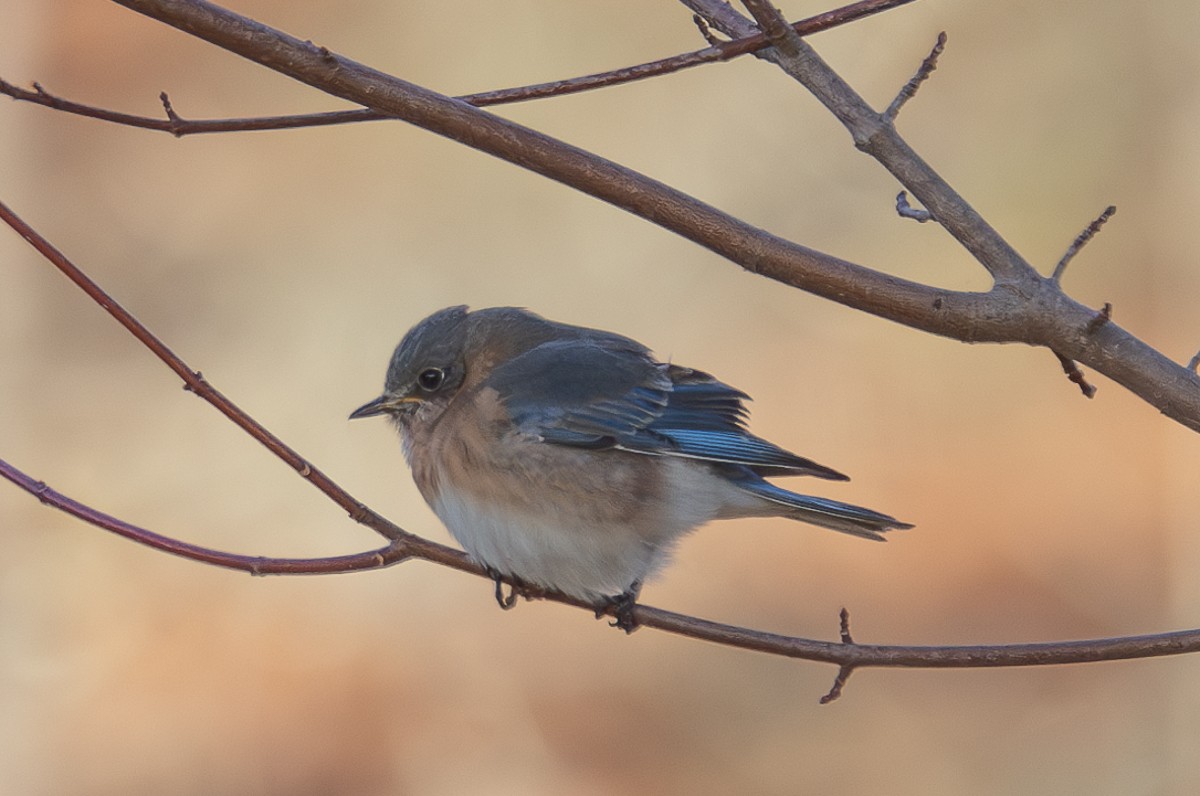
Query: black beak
x=377, y=407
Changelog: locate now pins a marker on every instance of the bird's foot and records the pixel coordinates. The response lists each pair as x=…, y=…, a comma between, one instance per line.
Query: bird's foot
x=515, y=589
x=622, y=608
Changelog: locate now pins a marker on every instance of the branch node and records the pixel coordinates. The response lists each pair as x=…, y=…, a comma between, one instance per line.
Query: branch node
x=905, y=210
x=774, y=26
x=305, y=469
x=41, y=491
x=922, y=74
x=846, y=669
x=706, y=30
x=189, y=387
x=1076, y=375
x=1099, y=319
x=1088, y=233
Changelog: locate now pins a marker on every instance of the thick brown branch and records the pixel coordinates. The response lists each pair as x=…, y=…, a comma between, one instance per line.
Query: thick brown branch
x=753, y=248
x=1050, y=318
x=876, y=135
x=1023, y=307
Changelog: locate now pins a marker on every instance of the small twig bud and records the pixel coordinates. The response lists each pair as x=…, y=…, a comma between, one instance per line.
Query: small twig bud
x=1088, y=233
x=905, y=210
x=1076, y=375
x=1100, y=318
x=923, y=72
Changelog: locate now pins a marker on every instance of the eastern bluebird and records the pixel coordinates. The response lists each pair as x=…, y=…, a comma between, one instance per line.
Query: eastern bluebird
x=570, y=459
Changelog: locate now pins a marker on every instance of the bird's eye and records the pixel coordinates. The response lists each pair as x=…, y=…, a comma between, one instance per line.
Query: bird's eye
x=431, y=378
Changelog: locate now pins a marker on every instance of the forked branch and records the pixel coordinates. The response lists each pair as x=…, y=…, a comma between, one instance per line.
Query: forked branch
x=1022, y=307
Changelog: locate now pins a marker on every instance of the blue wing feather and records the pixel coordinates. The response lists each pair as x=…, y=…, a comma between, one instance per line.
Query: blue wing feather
x=610, y=393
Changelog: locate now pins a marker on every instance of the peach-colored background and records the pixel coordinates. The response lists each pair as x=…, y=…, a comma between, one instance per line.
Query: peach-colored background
x=286, y=266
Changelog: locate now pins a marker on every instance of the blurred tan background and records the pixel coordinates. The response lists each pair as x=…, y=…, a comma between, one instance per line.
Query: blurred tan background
x=286, y=265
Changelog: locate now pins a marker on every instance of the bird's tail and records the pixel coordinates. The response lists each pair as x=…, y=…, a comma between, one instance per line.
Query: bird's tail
x=826, y=513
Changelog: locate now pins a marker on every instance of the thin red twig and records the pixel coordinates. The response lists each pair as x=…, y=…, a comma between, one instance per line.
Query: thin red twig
x=195, y=382
x=718, y=51
x=255, y=565
x=846, y=653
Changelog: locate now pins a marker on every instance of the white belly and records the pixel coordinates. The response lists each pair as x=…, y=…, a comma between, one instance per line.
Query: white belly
x=559, y=546
x=544, y=551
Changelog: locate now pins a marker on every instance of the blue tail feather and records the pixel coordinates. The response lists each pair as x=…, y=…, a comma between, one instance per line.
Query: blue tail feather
x=832, y=514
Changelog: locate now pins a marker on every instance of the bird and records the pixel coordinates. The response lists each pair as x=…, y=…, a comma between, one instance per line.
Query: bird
x=572, y=460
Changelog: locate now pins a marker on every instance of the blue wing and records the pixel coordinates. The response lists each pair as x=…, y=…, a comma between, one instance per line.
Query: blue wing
x=588, y=394
x=610, y=393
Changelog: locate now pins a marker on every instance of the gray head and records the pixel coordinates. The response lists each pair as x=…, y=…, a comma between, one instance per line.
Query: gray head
x=452, y=347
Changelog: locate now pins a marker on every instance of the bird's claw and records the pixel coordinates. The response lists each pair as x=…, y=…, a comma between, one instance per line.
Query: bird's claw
x=506, y=602
x=621, y=606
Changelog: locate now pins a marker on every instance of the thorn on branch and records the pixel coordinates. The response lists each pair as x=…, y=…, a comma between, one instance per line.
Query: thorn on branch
x=846, y=669
x=1088, y=233
x=327, y=56
x=177, y=123
x=1076, y=375
x=166, y=103
x=905, y=210
x=187, y=385
x=844, y=626
x=923, y=72
x=1099, y=319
